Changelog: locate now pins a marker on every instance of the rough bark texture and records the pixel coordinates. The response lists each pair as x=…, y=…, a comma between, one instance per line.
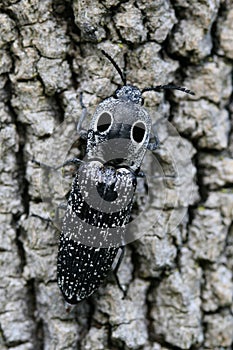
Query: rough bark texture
x=179, y=274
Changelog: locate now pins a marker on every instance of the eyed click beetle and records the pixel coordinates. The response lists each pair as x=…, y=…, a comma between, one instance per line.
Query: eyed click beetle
x=94, y=231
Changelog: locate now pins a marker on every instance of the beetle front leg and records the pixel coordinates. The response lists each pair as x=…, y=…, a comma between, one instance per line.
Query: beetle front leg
x=154, y=141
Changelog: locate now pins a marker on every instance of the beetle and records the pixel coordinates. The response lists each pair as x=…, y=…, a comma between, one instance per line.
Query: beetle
x=94, y=232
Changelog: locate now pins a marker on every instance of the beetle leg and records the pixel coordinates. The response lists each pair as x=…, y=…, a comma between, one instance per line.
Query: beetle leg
x=57, y=220
x=115, y=267
x=48, y=220
x=82, y=132
x=74, y=161
x=153, y=144
x=154, y=140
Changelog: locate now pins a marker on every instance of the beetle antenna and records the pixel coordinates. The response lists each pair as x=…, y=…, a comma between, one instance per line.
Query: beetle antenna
x=122, y=75
x=168, y=87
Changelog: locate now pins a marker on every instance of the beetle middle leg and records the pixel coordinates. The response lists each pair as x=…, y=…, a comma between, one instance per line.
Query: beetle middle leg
x=75, y=161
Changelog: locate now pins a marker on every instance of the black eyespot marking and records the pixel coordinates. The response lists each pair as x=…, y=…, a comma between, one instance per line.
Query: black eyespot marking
x=104, y=122
x=138, y=132
x=107, y=192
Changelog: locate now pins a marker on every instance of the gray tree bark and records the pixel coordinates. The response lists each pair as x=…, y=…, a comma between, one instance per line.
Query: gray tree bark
x=179, y=273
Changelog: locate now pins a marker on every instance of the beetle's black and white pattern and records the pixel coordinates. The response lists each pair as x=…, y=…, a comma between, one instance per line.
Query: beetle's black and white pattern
x=101, y=197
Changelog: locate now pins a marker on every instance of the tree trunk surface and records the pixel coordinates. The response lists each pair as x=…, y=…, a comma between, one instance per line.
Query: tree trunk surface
x=178, y=274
